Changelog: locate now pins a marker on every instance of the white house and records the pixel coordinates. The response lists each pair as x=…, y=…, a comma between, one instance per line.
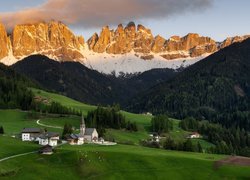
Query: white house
x=194, y=135
x=31, y=134
x=49, y=138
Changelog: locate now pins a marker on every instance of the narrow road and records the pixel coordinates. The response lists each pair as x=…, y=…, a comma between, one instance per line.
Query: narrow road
x=18, y=155
x=44, y=125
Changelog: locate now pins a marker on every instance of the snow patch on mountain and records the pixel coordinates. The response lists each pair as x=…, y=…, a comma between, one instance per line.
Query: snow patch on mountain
x=119, y=64
x=131, y=63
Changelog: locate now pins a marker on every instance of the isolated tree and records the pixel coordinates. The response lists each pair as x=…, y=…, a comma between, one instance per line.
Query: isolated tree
x=169, y=144
x=1, y=130
x=67, y=129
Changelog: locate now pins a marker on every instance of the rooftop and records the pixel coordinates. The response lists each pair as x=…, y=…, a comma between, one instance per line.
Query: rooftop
x=31, y=130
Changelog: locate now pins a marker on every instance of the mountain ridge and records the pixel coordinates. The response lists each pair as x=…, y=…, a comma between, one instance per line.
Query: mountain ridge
x=113, y=50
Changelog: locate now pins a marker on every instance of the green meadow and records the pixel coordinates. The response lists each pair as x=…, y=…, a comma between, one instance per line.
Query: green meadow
x=118, y=162
x=127, y=160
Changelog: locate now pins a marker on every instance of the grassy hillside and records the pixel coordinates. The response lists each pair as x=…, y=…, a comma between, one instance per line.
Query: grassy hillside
x=11, y=146
x=103, y=162
x=119, y=162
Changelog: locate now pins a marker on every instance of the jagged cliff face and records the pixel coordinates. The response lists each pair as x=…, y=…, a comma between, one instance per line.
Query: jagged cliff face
x=4, y=42
x=52, y=39
x=122, y=40
x=55, y=40
x=140, y=40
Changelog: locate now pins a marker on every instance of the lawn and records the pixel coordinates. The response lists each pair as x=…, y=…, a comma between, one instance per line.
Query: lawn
x=125, y=137
x=13, y=121
x=10, y=146
x=61, y=121
x=119, y=162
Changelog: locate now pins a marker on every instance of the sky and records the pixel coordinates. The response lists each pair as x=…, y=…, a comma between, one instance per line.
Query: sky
x=214, y=18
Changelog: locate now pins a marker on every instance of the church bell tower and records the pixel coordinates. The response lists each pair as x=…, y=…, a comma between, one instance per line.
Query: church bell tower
x=82, y=127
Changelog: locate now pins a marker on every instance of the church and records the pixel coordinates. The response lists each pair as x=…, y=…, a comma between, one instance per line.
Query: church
x=86, y=135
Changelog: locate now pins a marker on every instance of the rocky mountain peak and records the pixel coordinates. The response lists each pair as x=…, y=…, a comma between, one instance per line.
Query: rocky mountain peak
x=52, y=39
x=140, y=40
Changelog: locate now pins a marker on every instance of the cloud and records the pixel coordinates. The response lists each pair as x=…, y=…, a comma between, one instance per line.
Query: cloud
x=96, y=13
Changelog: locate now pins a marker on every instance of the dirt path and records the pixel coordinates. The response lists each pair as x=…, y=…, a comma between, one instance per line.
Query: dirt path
x=18, y=155
x=233, y=160
x=44, y=125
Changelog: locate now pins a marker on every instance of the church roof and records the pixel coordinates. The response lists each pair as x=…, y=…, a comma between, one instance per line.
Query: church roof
x=89, y=131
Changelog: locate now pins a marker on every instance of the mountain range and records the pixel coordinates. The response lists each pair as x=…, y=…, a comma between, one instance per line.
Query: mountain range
x=125, y=50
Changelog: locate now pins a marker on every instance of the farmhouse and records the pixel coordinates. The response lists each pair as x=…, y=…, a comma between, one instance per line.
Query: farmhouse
x=31, y=134
x=194, y=135
x=49, y=138
x=75, y=139
x=48, y=150
x=43, y=138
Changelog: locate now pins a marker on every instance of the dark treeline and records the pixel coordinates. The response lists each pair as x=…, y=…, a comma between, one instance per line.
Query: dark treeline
x=54, y=108
x=161, y=124
x=171, y=144
x=103, y=118
x=13, y=90
x=187, y=145
x=232, y=140
x=15, y=94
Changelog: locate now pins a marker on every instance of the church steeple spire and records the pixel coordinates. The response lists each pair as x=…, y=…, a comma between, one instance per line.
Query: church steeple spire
x=82, y=127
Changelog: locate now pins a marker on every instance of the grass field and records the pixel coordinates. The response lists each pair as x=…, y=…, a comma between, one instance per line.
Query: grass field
x=10, y=146
x=119, y=162
x=104, y=162
x=14, y=121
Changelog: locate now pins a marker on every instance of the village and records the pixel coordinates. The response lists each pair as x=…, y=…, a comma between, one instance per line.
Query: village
x=50, y=140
